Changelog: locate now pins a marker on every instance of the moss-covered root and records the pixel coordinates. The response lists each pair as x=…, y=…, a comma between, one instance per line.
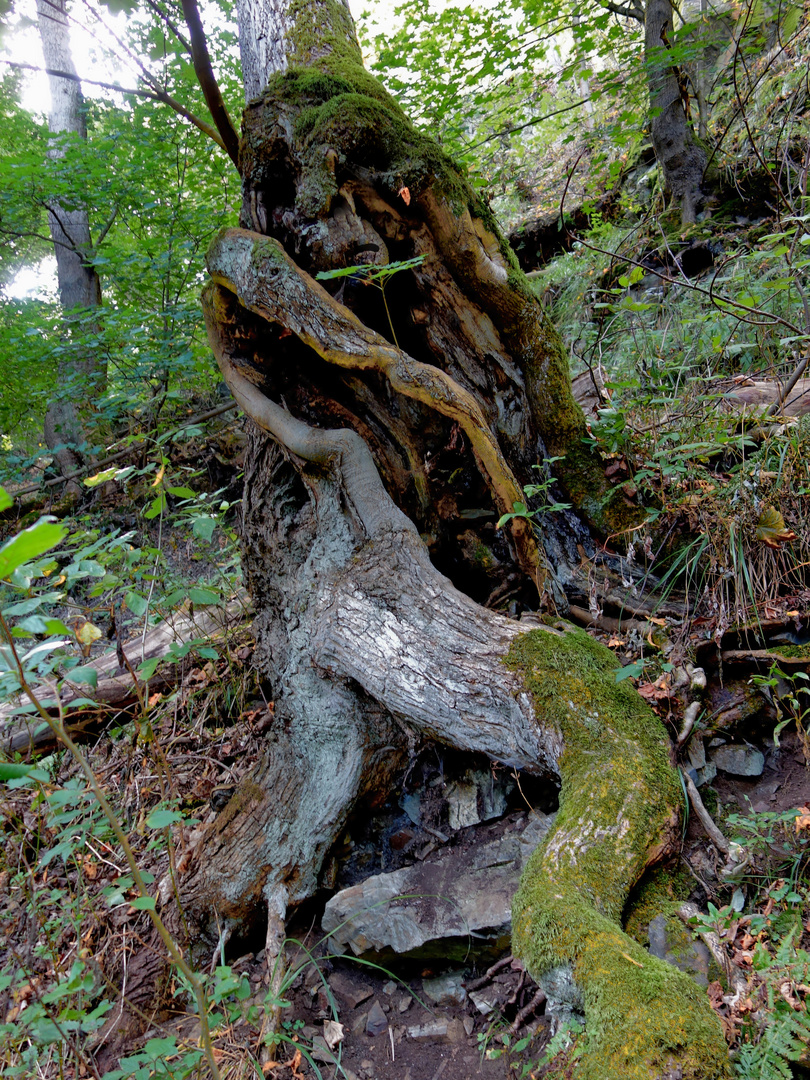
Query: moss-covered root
x=618, y=806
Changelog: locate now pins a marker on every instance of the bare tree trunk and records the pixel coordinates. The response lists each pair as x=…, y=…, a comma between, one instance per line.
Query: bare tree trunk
x=681, y=155
x=79, y=379
x=390, y=430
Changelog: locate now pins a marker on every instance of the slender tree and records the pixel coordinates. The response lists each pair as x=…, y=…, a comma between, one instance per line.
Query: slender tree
x=79, y=286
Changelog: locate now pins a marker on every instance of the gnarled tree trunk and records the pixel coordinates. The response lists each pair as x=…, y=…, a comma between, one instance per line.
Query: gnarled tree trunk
x=390, y=432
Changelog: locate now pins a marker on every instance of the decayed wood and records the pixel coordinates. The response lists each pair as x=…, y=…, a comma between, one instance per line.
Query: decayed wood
x=267, y=282
x=116, y=686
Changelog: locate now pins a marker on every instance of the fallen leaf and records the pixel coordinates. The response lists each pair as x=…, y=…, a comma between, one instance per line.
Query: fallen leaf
x=802, y=818
x=405, y=195
x=771, y=528
x=616, y=643
x=332, y=1033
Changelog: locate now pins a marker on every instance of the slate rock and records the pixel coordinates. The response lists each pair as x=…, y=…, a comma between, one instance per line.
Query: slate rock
x=455, y=904
x=376, y=1021
x=347, y=988
x=445, y=989
x=739, y=760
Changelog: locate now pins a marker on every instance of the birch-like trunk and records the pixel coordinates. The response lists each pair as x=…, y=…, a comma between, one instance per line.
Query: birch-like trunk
x=78, y=379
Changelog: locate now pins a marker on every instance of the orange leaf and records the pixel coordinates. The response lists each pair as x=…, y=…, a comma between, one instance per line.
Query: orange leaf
x=405, y=195
x=802, y=818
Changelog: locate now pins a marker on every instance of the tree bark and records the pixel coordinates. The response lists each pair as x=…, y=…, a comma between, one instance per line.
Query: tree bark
x=387, y=426
x=79, y=379
x=680, y=153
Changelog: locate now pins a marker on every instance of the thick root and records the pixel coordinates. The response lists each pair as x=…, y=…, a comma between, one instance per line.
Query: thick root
x=618, y=808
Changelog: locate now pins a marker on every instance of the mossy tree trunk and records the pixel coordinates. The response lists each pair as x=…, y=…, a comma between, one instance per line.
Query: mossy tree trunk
x=390, y=432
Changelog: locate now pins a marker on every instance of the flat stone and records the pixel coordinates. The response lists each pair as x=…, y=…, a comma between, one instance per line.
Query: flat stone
x=436, y=1029
x=405, y=1003
x=352, y=992
x=458, y=903
x=376, y=1021
x=445, y=989
x=486, y=1000
x=739, y=760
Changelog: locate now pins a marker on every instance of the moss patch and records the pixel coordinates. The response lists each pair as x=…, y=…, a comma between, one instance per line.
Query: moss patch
x=618, y=799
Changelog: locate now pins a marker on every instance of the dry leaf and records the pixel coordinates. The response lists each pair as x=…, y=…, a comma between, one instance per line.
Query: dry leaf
x=802, y=818
x=332, y=1033
x=86, y=634
x=405, y=195
x=615, y=643
x=771, y=528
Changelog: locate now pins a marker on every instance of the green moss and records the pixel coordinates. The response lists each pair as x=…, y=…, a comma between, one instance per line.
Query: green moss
x=660, y=892
x=618, y=798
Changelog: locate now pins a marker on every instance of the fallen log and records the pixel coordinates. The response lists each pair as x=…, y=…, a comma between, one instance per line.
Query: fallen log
x=118, y=685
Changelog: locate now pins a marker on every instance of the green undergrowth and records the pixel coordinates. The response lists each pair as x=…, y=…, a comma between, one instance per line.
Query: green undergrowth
x=619, y=799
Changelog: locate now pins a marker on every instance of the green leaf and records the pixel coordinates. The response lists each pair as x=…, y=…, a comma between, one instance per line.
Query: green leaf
x=144, y=903
x=630, y=671
x=182, y=492
x=30, y=544
x=5, y=499
x=136, y=603
x=148, y=667
x=87, y=675
x=157, y=507
x=159, y=819
x=203, y=596
x=13, y=771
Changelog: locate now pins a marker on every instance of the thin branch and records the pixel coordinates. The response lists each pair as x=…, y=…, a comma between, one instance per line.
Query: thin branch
x=155, y=94
x=106, y=228
x=627, y=11
x=35, y=236
x=161, y=14
x=529, y=123
x=207, y=80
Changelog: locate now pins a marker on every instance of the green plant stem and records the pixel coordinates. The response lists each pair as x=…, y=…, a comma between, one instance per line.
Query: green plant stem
x=58, y=728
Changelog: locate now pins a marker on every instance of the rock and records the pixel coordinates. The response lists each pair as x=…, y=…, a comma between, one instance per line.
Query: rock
x=478, y=796
x=405, y=1003
x=739, y=760
x=563, y=994
x=436, y=1031
x=345, y=987
x=390, y=987
x=670, y=941
x=376, y=1021
x=445, y=989
x=458, y=902
x=469, y=1024
x=488, y=999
